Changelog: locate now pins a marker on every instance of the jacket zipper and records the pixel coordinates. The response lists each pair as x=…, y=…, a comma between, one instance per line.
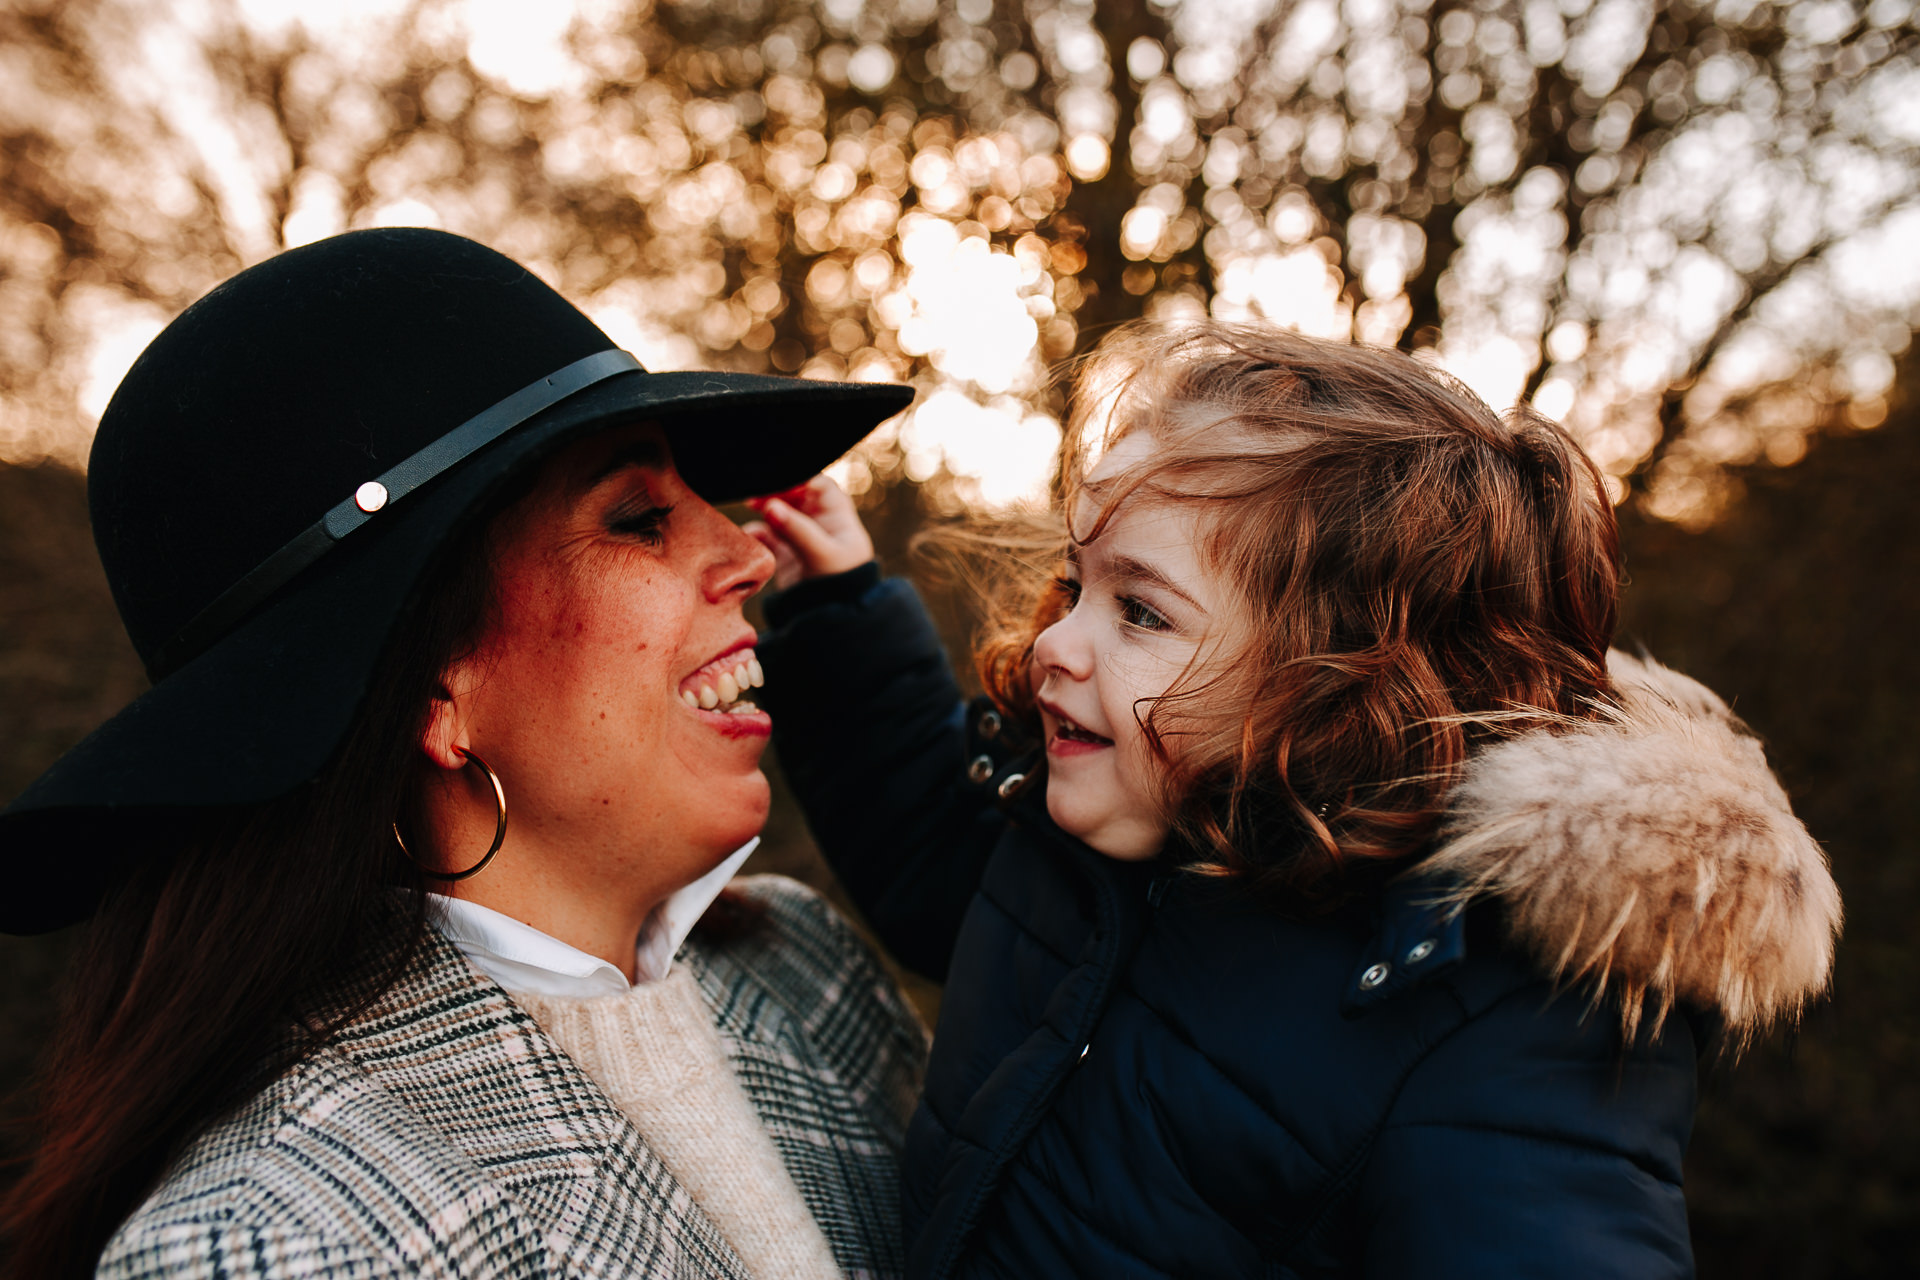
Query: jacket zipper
x=1107, y=899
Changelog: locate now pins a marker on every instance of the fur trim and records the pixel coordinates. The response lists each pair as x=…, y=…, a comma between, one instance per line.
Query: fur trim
x=1650, y=853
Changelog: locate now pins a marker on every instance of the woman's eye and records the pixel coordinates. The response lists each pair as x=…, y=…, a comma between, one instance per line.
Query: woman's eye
x=1068, y=589
x=648, y=525
x=1136, y=612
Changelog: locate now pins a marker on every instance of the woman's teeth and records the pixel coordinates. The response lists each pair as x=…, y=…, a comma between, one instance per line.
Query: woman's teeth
x=720, y=686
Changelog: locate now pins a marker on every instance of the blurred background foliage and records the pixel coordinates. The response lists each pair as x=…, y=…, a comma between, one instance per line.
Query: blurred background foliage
x=1690, y=231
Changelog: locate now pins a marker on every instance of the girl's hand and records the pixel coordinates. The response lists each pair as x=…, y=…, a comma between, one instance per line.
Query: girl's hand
x=812, y=530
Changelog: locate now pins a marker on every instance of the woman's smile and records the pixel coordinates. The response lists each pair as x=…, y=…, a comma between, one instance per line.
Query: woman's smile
x=719, y=692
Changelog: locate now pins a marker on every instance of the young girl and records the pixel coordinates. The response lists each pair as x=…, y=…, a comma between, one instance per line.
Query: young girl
x=1315, y=894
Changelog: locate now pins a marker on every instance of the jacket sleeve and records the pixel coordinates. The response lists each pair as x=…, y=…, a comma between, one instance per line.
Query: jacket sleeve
x=873, y=736
x=1528, y=1144
x=241, y=1251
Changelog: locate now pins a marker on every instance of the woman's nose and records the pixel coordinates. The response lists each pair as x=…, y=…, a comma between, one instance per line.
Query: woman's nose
x=737, y=564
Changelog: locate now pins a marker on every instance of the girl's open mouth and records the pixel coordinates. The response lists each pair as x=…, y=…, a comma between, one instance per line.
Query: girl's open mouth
x=1074, y=733
x=1070, y=739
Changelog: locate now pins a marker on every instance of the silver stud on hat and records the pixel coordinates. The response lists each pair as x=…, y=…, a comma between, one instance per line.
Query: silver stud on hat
x=370, y=497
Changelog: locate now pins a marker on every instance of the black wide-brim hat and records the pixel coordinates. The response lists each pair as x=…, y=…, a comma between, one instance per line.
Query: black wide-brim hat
x=280, y=466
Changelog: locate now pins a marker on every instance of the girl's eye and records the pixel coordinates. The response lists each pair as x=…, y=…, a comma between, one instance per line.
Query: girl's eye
x=1136, y=612
x=647, y=524
x=1068, y=589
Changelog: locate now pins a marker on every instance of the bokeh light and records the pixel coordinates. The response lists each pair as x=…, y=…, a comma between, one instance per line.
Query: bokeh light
x=1692, y=233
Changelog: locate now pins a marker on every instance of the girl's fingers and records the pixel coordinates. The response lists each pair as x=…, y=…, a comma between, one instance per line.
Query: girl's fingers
x=826, y=498
x=768, y=538
x=802, y=530
x=800, y=497
x=818, y=523
x=759, y=532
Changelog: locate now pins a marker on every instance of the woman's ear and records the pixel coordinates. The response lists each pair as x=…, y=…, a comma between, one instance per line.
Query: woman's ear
x=445, y=738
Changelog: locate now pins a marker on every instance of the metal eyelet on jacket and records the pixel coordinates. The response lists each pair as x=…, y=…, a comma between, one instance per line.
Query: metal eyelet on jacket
x=1010, y=784
x=1421, y=950
x=981, y=769
x=1375, y=975
x=990, y=724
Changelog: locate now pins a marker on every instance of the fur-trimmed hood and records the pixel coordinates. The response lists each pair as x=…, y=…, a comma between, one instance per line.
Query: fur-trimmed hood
x=1651, y=853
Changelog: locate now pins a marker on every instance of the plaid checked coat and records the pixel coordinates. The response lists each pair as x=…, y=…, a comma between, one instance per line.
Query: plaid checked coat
x=443, y=1134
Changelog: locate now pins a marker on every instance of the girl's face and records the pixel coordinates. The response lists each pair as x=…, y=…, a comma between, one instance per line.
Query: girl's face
x=1146, y=610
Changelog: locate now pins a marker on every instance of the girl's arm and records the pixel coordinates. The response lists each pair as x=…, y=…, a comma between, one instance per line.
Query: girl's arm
x=1530, y=1144
x=872, y=731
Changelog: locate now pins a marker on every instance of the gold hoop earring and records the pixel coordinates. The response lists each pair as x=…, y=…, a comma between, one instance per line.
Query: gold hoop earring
x=499, y=827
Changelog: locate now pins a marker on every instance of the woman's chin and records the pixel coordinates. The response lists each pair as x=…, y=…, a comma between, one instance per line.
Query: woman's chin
x=737, y=813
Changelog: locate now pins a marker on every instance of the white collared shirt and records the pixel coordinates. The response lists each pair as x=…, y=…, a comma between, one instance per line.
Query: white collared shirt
x=521, y=958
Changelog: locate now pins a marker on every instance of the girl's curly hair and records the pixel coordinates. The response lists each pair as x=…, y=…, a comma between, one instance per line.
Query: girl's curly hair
x=1420, y=576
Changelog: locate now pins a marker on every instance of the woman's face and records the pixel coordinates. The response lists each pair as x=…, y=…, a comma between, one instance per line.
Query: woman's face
x=619, y=594
x=1146, y=610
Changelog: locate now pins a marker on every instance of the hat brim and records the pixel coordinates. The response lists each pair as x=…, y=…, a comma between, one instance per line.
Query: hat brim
x=264, y=708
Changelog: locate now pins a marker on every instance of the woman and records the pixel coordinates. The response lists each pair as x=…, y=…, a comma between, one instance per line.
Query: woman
x=446, y=751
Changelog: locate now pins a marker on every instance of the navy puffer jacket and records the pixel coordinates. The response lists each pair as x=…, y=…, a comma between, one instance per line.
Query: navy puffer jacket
x=1486, y=1070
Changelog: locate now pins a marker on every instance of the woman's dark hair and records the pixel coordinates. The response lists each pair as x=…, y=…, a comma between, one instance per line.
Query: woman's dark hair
x=1420, y=575
x=208, y=971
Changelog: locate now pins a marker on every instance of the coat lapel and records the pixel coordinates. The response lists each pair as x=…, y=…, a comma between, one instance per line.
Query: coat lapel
x=823, y=1123
x=451, y=1045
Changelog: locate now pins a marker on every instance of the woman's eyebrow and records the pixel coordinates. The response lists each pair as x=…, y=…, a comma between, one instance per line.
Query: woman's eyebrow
x=636, y=453
x=1132, y=569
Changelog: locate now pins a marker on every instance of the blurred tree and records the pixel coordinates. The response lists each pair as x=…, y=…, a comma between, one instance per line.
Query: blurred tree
x=1668, y=224
x=1686, y=229
x=1799, y=605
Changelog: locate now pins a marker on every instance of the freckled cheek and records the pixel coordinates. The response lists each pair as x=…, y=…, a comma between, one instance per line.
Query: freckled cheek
x=627, y=636
x=595, y=660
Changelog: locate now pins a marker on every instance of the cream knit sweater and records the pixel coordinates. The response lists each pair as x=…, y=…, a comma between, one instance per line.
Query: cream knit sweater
x=657, y=1055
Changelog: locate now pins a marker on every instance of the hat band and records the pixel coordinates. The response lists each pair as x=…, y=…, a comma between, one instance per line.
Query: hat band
x=377, y=495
